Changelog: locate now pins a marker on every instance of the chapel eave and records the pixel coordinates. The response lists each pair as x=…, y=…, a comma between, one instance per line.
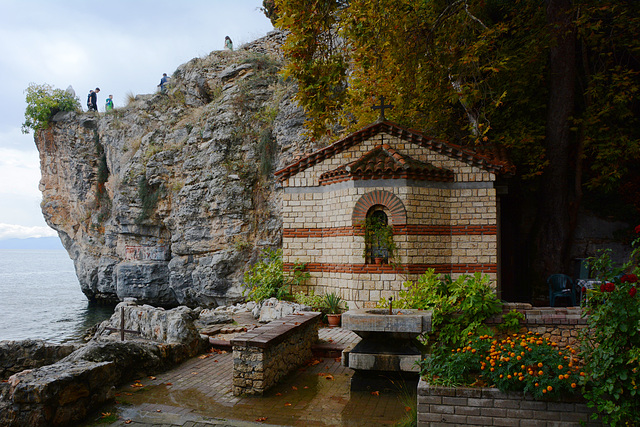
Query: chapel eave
x=470, y=157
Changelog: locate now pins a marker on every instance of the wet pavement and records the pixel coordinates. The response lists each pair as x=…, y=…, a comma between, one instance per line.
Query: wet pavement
x=198, y=393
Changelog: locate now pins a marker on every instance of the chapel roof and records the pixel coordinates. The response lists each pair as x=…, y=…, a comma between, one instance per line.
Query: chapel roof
x=383, y=162
x=486, y=160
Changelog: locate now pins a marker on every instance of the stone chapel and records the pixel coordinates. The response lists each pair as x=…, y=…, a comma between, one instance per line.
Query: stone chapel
x=439, y=199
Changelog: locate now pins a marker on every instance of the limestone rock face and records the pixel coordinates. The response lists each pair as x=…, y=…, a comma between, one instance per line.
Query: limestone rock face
x=171, y=198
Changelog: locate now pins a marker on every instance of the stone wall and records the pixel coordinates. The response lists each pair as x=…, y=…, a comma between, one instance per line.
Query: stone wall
x=448, y=226
x=439, y=406
x=562, y=325
x=264, y=355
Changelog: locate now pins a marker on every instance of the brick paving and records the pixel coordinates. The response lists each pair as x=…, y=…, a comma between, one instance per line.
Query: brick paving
x=198, y=393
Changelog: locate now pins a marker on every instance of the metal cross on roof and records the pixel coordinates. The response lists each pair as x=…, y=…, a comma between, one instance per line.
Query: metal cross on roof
x=381, y=107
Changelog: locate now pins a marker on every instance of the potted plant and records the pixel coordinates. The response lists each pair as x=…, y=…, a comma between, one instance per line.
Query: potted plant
x=378, y=240
x=334, y=306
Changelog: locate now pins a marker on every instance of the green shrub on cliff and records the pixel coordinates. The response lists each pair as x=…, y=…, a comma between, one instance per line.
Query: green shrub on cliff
x=43, y=102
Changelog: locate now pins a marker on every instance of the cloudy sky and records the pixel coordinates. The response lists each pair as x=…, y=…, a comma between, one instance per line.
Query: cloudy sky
x=120, y=46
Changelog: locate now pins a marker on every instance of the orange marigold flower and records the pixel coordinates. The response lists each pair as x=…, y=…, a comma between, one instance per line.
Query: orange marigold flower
x=537, y=384
x=559, y=366
x=549, y=388
x=540, y=373
x=540, y=365
x=573, y=385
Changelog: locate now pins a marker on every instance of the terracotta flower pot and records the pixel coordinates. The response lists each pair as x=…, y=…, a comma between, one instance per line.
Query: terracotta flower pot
x=377, y=260
x=334, y=320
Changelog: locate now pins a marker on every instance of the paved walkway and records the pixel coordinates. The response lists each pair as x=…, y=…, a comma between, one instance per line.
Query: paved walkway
x=198, y=393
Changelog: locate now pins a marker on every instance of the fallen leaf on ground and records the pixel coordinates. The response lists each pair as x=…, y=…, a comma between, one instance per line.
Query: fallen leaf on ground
x=278, y=394
x=204, y=356
x=127, y=421
x=194, y=373
x=152, y=378
x=158, y=410
x=261, y=419
x=338, y=359
x=106, y=414
x=287, y=404
x=294, y=387
x=137, y=385
x=117, y=394
x=129, y=394
x=375, y=393
x=329, y=377
x=306, y=386
x=168, y=383
x=407, y=408
x=215, y=361
x=330, y=340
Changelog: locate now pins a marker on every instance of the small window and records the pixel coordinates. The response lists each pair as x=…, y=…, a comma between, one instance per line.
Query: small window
x=378, y=237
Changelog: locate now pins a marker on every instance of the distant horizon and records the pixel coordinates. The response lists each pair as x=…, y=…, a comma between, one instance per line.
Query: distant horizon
x=32, y=243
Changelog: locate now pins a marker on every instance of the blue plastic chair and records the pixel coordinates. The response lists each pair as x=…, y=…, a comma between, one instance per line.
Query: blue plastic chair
x=560, y=285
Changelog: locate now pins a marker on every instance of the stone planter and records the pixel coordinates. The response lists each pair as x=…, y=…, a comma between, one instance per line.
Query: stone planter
x=490, y=406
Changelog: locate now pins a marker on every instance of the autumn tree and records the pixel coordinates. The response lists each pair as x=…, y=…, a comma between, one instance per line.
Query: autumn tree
x=554, y=83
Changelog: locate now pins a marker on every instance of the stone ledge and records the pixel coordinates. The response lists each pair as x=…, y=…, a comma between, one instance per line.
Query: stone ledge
x=275, y=332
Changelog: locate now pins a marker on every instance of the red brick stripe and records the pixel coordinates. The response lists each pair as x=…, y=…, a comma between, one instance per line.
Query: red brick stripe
x=316, y=267
x=412, y=230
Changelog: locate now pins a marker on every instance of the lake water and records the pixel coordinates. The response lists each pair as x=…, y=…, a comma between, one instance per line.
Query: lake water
x=40, y=297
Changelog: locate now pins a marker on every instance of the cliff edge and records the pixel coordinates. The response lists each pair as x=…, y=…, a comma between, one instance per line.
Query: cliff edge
x=171, y=198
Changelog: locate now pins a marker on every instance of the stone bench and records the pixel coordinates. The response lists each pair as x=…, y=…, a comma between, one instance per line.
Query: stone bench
x=264, y=355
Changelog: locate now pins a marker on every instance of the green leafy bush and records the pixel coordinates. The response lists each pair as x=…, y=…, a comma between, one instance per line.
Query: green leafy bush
x=312, y=300
x=266, y=279
x=511, y=321
x=459, y=306
x=43, y=102
x=611, y=344
x=525, y=362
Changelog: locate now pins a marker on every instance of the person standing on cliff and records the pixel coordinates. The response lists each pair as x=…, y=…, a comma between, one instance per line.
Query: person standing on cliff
x=228, y=44
x=163, y=83
x=92, y=99
x=109, y=103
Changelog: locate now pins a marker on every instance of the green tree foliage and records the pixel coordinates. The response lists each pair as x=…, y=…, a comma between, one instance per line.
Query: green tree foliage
x=43, y=102
x=270, y=10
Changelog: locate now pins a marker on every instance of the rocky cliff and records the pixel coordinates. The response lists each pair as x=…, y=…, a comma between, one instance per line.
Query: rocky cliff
x=170, y=199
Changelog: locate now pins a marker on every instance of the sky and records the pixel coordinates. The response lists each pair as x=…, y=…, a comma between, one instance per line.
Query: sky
x=119, y=46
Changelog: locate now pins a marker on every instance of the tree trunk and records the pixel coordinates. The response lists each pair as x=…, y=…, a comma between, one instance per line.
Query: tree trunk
x=557, y=212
